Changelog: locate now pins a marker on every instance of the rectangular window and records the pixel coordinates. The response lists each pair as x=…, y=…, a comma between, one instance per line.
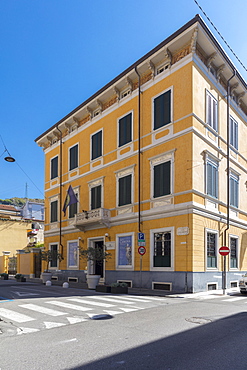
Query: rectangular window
x=233, y=133
x=54, y=168
x=53, y=249
x=233, y=253
x=162, y=110
x=73, y=208
x=124, y=190
x=73, y=157
x=96, y=197
x=211, y=111
x=96, y=145
x=211, y=250
x=234, y=190
x=73, y=254
x=162, y=179
x=54, y=205
x=124, y=254
x=212, y=178
x=125, y=130
x=162, y=249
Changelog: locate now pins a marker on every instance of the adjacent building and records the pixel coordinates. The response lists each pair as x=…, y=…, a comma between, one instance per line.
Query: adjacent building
x=156, y=158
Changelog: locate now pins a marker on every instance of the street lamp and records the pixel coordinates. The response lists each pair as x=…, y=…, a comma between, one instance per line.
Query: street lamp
x=9, y=159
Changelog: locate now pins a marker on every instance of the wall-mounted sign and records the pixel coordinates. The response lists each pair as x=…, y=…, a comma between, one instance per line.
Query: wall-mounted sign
x=183, y=231
x=110, y=245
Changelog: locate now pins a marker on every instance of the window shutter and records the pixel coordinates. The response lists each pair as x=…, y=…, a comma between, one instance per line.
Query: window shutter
x=73, y=160
x=125, y=129
x=96, y=197
x=162, y=179
x=97, y=145
x=124, y=190
x=162, y=110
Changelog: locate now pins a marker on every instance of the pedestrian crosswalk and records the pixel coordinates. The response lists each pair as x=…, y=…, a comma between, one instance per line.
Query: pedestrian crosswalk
x=43, y=313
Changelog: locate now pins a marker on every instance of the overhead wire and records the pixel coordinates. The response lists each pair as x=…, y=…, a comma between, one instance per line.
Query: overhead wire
x=216, y=29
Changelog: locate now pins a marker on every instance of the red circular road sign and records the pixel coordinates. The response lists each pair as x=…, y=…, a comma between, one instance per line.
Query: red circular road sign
x=141, y=250
x=224, y=251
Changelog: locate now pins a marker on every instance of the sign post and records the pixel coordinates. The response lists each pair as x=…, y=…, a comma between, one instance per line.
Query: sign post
x=224, y=251
x=141, y=251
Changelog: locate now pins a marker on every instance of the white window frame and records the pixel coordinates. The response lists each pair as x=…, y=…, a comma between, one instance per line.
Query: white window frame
x=166, y=157
x=77, y=194
x=73, y=267
x=235, y=177
x=231, y=236
x=91, y=145
x=55, y=156
x=57, y=267
x=132, y=132
x=214, y=161
x=93, y=184
x=125, y=267
x=152, y=121
x=122, y=173
x=78, y=156
x=211, y=231
x=233, y=137
x=162, y=230
x=212, y=124
x=53, y=199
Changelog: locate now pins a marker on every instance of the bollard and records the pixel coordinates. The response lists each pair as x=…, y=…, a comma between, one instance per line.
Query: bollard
x=65, y=285
x=48, y=283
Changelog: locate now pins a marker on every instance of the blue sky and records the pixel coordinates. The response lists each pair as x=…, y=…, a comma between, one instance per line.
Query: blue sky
x=56, y=53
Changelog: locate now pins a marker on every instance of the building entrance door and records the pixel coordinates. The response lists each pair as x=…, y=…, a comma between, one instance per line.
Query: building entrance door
x=99, y=266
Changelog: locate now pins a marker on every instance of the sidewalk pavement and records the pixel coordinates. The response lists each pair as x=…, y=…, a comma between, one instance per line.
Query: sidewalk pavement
x=134, y=291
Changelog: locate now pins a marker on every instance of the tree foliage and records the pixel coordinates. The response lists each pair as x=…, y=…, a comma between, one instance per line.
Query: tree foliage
x=19, y=202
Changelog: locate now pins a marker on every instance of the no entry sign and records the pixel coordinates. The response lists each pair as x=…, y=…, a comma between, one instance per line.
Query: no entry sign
x=141, y=250
x=224, y=251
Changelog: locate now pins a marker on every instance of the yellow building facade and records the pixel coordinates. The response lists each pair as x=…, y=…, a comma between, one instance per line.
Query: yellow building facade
x=156, y=158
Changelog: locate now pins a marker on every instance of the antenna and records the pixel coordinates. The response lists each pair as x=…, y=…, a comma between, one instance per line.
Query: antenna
x=26, y=191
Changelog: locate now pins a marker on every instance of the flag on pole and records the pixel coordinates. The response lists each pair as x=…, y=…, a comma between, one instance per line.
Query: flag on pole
x=70, y=199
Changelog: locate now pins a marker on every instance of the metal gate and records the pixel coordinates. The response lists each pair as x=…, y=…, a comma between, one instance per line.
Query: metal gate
x=37, y=265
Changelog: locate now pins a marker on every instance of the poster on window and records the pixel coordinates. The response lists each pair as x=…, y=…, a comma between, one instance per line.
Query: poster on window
x=125, y=250
x=73, y=248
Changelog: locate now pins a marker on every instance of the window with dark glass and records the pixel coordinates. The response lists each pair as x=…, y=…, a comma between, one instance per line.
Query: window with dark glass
x=96, y=145
x=54, y=168
x=162, y=110
x=211, y=250
x=162, y=179
x=124, y=190
x=96, y=197
x=233, y=253
x=73, y=208
x=125, y=130
x=162, y=250
x=54, y=205
x=53, y=249
x=73, y=157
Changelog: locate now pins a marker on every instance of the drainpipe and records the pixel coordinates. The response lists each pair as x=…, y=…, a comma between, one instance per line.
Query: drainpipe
x=228, y=178
x=60, y=194
x=139, y=149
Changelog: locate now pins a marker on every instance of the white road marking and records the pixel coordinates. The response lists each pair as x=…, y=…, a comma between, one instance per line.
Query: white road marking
x=15, y=316
x=75, y=320
x=129, y=309
x=46, y=311
x=135, y=299
x=112, y=313
x=26, y=330
x=50, y=325
x=150, y=298
x=112, y=300
x=233, y=299
x=68, y=305
x=23, y=294
x=99, y=304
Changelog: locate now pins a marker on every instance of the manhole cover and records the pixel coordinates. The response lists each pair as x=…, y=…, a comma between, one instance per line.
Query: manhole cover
x=199, y=320
x=101, y=317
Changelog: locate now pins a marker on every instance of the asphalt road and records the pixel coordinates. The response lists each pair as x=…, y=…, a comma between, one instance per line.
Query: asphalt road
x=166, y=333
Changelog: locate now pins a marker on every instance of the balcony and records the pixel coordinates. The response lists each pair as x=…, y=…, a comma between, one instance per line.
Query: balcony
x=100, y=216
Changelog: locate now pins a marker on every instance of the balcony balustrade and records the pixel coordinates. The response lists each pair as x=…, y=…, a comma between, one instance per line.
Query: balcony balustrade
x=99, y=216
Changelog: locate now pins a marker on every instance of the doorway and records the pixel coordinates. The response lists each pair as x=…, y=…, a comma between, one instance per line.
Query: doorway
x=99, y=266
